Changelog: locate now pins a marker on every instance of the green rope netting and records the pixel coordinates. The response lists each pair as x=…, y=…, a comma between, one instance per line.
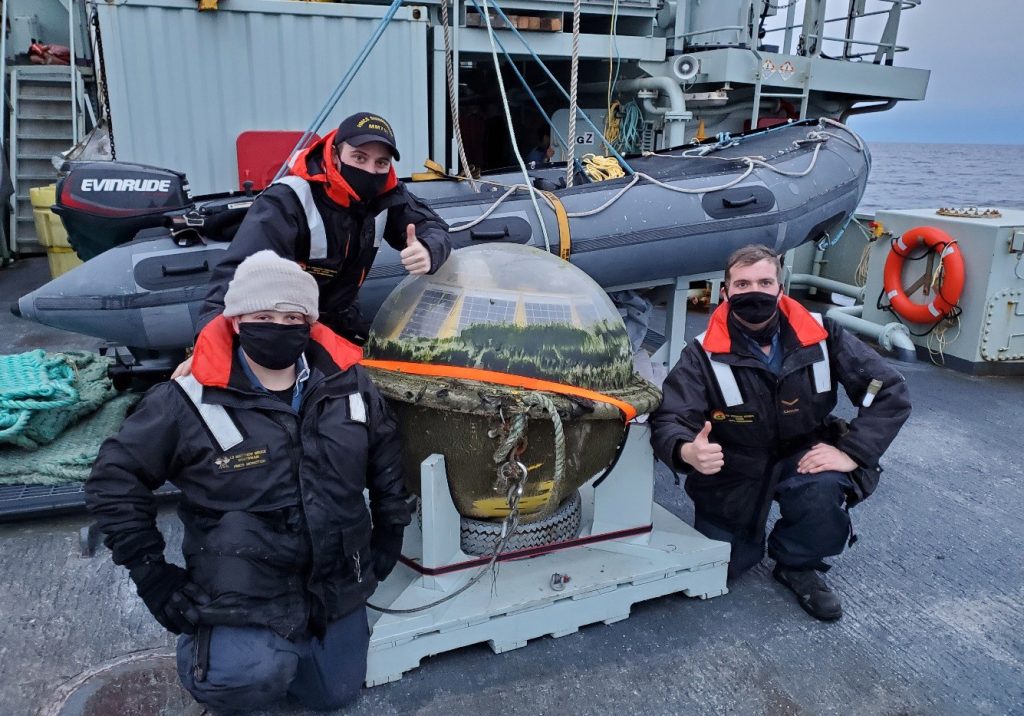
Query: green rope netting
x=70, y=458
x=41, y=394
x=55, y=411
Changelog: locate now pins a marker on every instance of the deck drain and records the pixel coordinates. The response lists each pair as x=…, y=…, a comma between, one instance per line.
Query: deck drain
x=139, y=684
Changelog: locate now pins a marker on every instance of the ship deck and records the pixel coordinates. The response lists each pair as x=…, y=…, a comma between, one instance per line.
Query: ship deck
x=931, y=594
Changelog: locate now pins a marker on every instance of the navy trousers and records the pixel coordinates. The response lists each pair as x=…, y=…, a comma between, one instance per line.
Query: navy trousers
x=253, y=667
x=814, y=523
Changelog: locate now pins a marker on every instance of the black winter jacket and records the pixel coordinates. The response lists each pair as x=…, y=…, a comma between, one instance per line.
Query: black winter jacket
x=277, y=221
x=276, y=528
x=779, y=416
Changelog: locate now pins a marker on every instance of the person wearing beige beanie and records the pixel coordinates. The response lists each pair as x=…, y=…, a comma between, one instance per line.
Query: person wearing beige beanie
x=272, y=440
x=267, y=282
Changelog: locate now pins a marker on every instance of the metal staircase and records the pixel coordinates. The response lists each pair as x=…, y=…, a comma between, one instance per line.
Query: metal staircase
x=41, y=126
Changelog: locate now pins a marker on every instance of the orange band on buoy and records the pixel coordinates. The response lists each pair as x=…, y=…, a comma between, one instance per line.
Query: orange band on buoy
x=498, y=378
x=953, y=275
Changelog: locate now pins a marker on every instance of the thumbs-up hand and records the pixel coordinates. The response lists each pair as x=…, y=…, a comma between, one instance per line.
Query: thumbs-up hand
x=703, y=455
x=415, y=257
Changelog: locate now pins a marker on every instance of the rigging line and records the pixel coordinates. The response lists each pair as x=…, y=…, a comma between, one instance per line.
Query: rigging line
x=750, y=162
x=453, y=104
x=574, y=85
x=346, y=80
x=859, y=142
x=554, y=80
x=511, y=128
x=613, y=46
x=536, y=102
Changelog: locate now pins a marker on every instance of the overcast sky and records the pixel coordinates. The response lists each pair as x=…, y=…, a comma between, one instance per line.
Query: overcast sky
x=975, y=51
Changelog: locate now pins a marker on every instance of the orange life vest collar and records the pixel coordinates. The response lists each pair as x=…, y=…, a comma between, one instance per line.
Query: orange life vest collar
x=214, y=353
x=320, y=155
x=808, y=331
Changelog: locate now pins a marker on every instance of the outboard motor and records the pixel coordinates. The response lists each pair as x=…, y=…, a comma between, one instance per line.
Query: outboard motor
x=104, y=204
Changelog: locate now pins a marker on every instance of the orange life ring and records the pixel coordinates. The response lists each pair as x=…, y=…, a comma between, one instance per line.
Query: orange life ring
x=953, y=274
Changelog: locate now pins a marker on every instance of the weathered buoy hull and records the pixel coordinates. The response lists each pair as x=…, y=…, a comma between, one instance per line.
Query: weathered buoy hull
x=463, y=419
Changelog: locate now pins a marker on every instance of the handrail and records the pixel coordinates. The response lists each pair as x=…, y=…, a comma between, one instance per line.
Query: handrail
x=5, y=233
x=816, y=39
x=73, y=70
x=3, y=71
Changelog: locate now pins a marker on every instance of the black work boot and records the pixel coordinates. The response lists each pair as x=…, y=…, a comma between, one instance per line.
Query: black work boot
x=811, y=591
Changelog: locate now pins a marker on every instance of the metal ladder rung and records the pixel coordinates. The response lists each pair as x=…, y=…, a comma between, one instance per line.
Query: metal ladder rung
x=788, y=95
x=47, y=137
x=44, y=118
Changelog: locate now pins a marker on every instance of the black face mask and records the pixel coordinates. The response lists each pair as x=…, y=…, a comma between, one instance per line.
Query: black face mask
x=366, y=184
x=273, y=345
x=756, y=307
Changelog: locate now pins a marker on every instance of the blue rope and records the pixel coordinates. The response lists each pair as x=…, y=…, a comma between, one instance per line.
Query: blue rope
x=342, y=85
x=827, y=243
x=630, y=128
x=555, y=82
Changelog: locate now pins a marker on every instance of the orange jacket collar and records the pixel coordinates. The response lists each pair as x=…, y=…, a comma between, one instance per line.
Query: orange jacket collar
x=214, y=353
x=808, y=331
x=320, y=157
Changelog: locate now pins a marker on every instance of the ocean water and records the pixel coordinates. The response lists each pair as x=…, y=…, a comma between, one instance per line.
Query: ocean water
x=919, y=176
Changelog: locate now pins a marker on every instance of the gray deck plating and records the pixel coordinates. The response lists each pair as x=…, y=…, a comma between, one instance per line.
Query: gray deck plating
x=933, y=594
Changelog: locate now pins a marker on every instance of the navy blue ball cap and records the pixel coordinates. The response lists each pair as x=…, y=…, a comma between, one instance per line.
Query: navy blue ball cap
x=365, y=127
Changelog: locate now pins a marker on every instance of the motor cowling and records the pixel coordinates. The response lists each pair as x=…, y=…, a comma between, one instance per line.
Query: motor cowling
x=105, y=204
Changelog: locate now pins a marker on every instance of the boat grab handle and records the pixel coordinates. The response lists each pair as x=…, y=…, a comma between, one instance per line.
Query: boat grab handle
x=184, y=270
x=736, y=203
x=481, y=235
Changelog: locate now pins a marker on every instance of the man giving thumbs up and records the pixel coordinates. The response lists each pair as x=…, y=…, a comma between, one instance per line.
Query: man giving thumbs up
x=747, y=416
x=339, y=202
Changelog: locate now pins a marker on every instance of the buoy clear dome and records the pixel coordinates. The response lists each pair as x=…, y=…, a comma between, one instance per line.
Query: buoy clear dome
x=511, y=309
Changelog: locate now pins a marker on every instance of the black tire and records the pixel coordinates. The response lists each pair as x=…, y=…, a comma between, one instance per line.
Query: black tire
x=479, y=537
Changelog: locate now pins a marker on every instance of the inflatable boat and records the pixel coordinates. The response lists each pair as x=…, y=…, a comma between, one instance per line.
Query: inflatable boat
x=149, y=248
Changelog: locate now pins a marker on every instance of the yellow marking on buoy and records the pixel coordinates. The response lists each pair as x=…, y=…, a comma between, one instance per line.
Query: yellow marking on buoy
x=498, y=506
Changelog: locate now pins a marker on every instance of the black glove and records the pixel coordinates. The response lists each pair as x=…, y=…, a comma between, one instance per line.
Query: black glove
x=169, y=595
x=385, y=547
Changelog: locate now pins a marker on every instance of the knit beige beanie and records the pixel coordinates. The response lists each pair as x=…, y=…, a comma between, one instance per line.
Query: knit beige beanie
x=267, y=282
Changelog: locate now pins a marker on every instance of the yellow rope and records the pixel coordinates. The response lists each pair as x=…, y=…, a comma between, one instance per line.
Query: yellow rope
x=611, y=123
x=600, y=168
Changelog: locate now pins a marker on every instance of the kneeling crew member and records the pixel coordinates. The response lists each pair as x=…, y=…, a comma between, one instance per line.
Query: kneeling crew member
x=747, y=416
x=340, y=199
x=271, y=440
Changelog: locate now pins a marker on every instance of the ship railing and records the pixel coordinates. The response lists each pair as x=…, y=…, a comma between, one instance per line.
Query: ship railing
x=812, y=37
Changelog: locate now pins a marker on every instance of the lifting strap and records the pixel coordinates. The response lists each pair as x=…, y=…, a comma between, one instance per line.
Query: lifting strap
x=216, y=417
x=730, y=389
x=562, y=218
